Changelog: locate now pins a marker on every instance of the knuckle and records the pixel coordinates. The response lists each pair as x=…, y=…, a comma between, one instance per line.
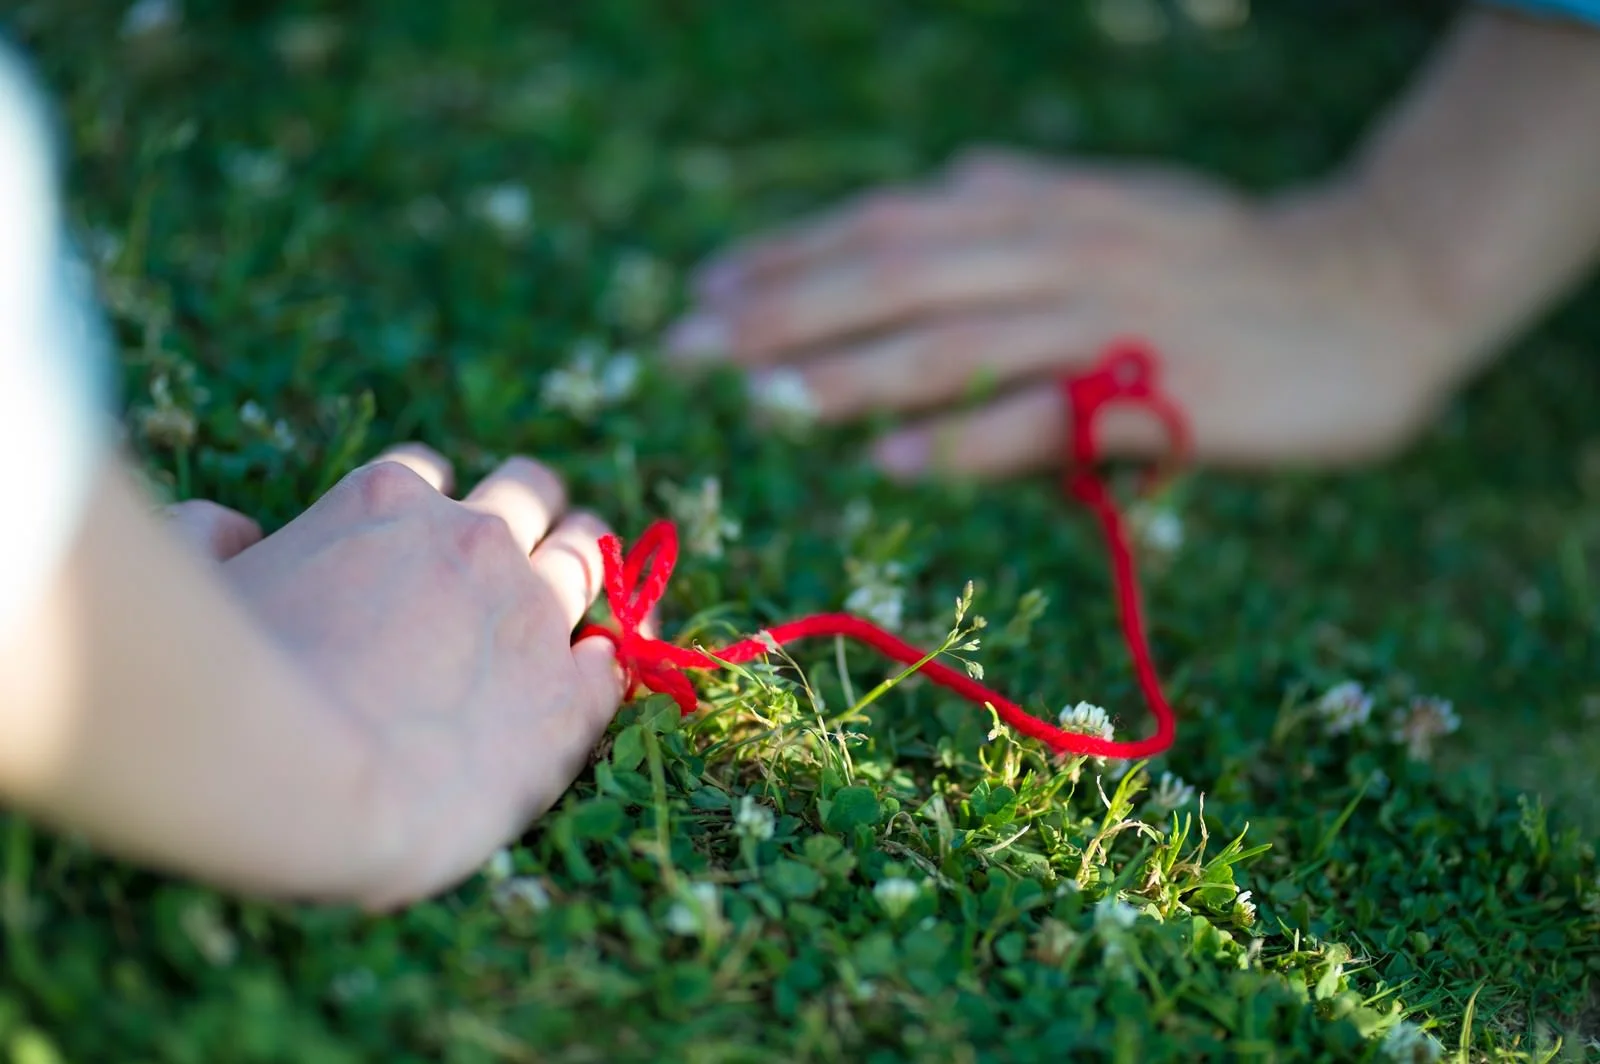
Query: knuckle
x=540, y=477
x=385, y=487
x=484, y=539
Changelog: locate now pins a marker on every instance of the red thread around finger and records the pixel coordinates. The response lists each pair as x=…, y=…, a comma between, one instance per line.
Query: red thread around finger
x=1127, y=375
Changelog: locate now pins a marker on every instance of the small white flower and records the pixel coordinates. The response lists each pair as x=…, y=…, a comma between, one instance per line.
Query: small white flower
x=1113, y=915
x=590, y=381
x=262, y=173
x=698, y=913
x=1171, y=793
x=1085, y=718
x=699, y=514
x=1406, y=1043
x=619, y=377
x=499, y=866
x=252, y=416
x=507, y=207
x=1423, y=721
x=1244, y=908
x=282, y=436
x=895, y=895
x=210, y=936
x=1344, y=708
x=520, y=892
x=1159, y=527
x=151, y=16
x=876, y=593
x=784, y=396
x=753, y=820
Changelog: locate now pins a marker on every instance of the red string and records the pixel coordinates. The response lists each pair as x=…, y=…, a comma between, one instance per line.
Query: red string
x=635, y=582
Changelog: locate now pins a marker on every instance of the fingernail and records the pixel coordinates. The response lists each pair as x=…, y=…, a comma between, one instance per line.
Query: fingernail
x=718, y=281
x=904, y=454
x=698, y=337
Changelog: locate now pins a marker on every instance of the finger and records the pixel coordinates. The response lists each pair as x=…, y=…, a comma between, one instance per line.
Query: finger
x=422, y=460
x=875, y=223
x=866, y=294
x=527, y=495
x=214, y=530
x=1023, y=431
x=596, y=660
x=569, y=566
x=925, y=365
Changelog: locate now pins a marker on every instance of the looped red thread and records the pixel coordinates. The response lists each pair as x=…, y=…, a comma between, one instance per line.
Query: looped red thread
x=635, y=583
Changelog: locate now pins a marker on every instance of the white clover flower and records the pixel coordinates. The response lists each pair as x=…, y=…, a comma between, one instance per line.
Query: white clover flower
x=499, y=866
x=520, y=892
x=895, y=895
x=260, y=173
x=619, y=377
x=876, y=593
x=1159, y=528
x=590, y=381
x=164, y=423
x=698, y=913
x=1344, y=708
x=1085, y=718
x=1243, y=908
x=636, y=296
x=252, y=416
x=1420, y=723
x=1406, y=1043
x=699, y=514
x=151, y=16
x=1113, y=915
x=753, y=820
x=506, y=207
x=783, y=395
x=210, y=936
x=1171, y=793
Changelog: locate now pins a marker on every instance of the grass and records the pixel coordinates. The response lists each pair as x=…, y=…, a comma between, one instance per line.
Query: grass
x=306, y=227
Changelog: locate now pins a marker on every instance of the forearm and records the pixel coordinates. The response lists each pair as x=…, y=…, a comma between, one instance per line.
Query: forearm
x=141, y=706
x=1486, y=173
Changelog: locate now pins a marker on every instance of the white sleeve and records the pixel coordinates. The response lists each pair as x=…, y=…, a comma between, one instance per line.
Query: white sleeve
x=52, y=355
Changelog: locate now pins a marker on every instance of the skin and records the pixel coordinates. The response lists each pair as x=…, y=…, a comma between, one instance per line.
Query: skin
x=1324, y=326
x=358, y=708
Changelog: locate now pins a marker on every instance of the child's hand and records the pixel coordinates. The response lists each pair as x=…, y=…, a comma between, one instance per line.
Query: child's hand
x=443, y=630
x=1292, y=333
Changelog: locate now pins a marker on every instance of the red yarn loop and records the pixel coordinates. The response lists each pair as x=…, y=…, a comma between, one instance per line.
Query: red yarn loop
x=636, y=581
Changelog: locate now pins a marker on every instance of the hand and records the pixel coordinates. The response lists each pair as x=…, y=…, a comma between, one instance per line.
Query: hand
x=1292, y=332
x=212, y=529
x=443, y=630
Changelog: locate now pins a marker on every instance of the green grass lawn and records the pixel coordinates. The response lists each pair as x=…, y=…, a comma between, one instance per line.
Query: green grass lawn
x=319, y=233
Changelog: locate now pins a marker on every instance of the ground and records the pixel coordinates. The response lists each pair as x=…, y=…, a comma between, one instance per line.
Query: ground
x=319, y=231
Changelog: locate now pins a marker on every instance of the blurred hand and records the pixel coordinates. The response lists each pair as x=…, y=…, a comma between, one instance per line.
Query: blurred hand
x=1291, y=332
x=443, y=630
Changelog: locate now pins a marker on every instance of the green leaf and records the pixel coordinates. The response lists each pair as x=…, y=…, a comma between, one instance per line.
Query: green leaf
x=852, y=807
x=628, y=749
